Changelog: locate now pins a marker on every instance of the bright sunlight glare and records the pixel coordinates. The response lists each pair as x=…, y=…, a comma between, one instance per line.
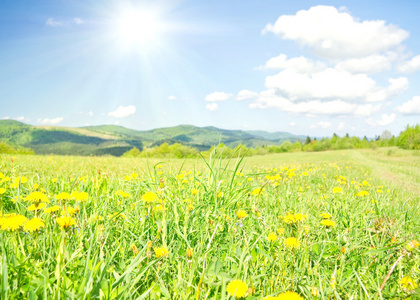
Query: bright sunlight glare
x=138, y=27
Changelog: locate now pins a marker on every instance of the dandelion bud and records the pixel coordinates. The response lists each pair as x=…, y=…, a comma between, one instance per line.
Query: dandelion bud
x=189, y=253
x=149, y=245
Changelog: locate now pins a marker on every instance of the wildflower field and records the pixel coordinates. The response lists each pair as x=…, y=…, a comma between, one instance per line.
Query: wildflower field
x=331, y=225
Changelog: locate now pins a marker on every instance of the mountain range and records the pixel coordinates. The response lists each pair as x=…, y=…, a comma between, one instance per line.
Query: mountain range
x=115, y=140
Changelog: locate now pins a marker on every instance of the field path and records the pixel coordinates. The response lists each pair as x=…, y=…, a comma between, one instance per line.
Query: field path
x=399, y=171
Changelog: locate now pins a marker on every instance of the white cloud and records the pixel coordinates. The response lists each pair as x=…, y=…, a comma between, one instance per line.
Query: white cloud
x=53, y=23
x=410, y=66
x=411, y=107
x=90, y=113
x=298, y=64
x=292, y=124
x=321, y=125
x=212, y=106
x=341, y=126
x=246, y=94
x=370, y=64
x=385, y=120
x=58, y=23
x=6, y=118
x=171, y=98
x=21, y=118
x=78, y=21
x=123, y=111
x=51, y=121
x=327, y=84
x=366, y=110
x=218, y=96
x=334, y=34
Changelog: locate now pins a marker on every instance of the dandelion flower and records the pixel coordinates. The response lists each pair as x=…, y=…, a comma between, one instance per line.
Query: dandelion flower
x=291, y=242
x=272, y=237
x=36, y=206
x=337, y=190
x=70, y=211
x=12, y=222
x=314, y=291
x=134, y=249
x=257, y=191
x=65, y=222
x=408, y=283
x=325, y=216
x=122, y=194
x=300, y=217
x=80, y=196
x=189, y=253
x=34, y=224
x=160, y=252
x=328, y=223
x=149, y=197
x=237, y=288
x=37, y=197
x=289, y=296
x=362, y=194
x=51, y=209
x=2, y=191
x=241, y=214
x=194, y=192
x=280, y=231
x=64, y=196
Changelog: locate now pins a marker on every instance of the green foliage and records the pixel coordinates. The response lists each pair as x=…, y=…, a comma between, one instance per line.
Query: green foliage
x=7, y=149
x=410, y=138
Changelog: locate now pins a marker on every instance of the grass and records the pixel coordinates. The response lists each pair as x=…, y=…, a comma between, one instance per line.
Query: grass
x=111, y=250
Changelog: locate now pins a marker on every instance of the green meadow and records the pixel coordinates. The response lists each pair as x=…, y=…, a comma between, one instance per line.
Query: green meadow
x=325, y=225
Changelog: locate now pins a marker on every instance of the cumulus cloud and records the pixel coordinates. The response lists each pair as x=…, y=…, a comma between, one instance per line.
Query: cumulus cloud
x=171, y=98
x=298, y=64
x=410, y=66
x=341, y=126
x=60, y=23
x=385, y=120
x=218, y=96
x=411, y=107
x=6, y=118
x=370, y=64
x=123, y=111
x=246, y=94
x=50, y=121
x=333, y=34
x=212, y=106
x=53, y=23
x=321, y=125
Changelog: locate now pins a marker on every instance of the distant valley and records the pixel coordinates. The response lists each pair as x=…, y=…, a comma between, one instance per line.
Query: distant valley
x=116, y=140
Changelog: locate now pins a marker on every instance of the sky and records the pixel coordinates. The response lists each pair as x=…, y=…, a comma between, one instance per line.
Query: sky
x=305, y=67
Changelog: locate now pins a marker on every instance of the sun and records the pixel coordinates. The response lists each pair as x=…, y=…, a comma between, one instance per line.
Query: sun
x=138, y=27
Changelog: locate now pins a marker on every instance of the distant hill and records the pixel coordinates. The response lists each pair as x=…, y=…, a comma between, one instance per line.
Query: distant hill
x=115, y=140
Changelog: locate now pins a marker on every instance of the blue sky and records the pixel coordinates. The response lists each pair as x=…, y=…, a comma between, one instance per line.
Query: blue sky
x=305, y=67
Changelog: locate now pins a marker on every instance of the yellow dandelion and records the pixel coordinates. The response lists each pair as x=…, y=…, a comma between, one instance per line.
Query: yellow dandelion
x=300, y=217
x=328, y=223
x=134, y=175
x=34, y=224
x=64, y=196
x=194, y=191
x=408, y=283
x=37, y=197
x=51, y=209
x=289, y=219
x=70, y=211
x=291, y=242
x=134, y=249
x=289, y=296
x=190, y=207
x=314, y=291
x=160, y=252
x=65, y=222
x=12, y=222
x=280, y=231
x=272, y=237
x=362, y=194
x=149, y=197
x=122, y=194
x=337, y=190
x=2, y=191
x=80, y=196
x=189, y=253
x=241, y=214
x=325, y=216
x=36, y=206
x=237, y=288
x=257, y=191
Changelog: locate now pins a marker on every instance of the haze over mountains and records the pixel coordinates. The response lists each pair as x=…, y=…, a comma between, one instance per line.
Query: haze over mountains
x=115, y=140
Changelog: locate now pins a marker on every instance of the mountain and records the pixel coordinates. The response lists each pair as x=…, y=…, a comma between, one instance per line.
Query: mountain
x=115, y=140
